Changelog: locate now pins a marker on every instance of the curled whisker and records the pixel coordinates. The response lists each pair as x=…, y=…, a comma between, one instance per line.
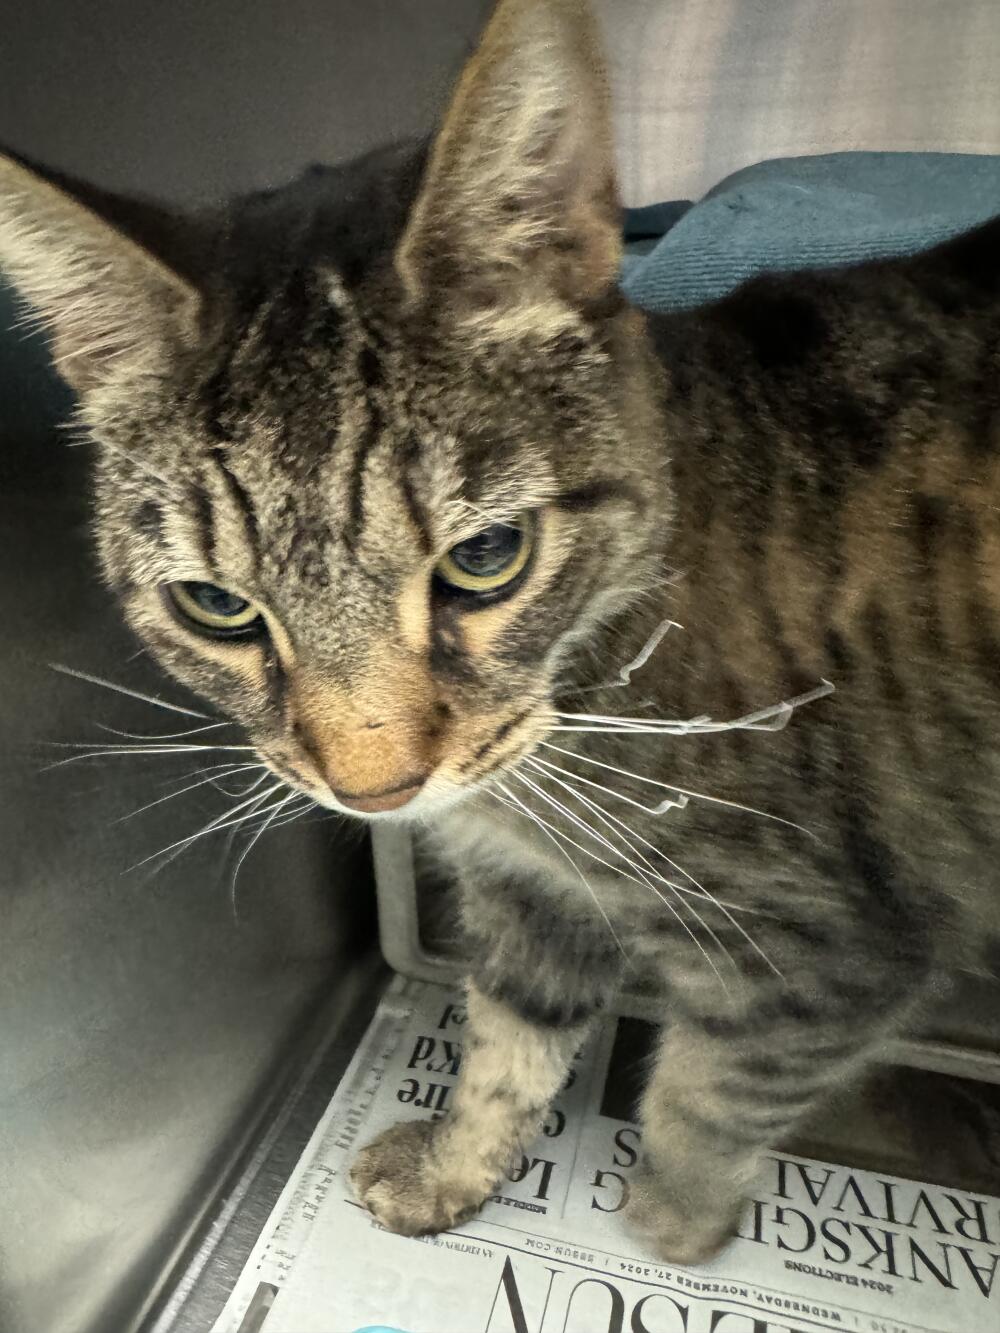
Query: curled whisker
x=640, y=876
x=668, y=786
x=698, y=891
x=774, y=717
x=624, y=676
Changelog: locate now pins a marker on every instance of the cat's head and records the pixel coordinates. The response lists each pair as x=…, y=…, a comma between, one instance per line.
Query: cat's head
x=377, y=451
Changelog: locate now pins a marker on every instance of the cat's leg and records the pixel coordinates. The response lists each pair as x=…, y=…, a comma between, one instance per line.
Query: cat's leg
x=539, y=982
x=721, y=1095
x=428, y=1175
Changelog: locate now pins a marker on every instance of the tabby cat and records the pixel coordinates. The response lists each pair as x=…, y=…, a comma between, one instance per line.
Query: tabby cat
x=388, y=470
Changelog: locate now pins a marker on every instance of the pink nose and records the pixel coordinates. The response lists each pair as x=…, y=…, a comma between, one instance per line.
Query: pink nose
x=374, y=802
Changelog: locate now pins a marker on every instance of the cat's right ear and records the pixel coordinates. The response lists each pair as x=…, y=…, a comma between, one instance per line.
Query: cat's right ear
x=104, y=299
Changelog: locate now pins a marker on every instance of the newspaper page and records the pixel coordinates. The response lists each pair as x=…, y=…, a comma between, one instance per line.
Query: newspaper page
x=820, y=1246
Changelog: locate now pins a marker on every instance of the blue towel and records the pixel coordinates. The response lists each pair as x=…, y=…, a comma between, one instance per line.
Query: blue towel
x=805, y=212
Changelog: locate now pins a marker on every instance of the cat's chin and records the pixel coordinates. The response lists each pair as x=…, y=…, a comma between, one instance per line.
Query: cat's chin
x=438, y=797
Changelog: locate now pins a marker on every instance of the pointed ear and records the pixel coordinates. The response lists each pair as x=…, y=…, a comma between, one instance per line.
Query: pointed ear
x=104, y=299
x=519, y=204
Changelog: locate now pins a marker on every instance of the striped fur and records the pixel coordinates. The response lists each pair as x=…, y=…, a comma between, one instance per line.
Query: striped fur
x=310, y=398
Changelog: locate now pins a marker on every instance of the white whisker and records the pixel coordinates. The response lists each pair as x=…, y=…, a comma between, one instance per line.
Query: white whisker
x=122, y=689
x=667, y=786
x=546, y=829
x=273, y=812
x=216, y=825
x=643, y=877
x=233, y=770
x=773, y=718
x=122, y=750
x=702, y=892
x=162, y=736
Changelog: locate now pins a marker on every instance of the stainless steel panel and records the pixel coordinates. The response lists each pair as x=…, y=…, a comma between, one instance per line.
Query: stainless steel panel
x=144, y=1020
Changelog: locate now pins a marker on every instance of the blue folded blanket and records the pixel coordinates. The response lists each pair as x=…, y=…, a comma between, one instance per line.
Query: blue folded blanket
x=804, y=212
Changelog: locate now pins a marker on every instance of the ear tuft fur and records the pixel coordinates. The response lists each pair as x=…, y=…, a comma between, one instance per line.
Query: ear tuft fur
x=101, y=297
x=519, y=205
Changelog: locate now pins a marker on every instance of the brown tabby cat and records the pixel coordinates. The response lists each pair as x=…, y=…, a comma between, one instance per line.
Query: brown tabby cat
x=388, y=470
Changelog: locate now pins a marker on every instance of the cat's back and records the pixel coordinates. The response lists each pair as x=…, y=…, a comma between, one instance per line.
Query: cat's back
x=835, y=449
x=852, y=360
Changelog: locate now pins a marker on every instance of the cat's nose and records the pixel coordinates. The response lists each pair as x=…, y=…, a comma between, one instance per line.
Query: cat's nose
x=390, y=798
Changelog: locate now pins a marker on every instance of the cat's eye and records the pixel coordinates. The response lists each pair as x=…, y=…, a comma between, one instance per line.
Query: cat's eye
x=215, y=611
x=490, y=560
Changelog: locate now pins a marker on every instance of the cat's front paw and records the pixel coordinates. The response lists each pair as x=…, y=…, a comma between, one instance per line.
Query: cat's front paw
x=678, y=1230
x=407, y=1183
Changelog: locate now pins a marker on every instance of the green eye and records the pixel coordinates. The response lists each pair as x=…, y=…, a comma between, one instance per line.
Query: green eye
x=215, y=611
x=489, y=560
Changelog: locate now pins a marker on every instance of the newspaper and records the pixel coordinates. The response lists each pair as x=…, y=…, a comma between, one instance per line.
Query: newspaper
x=820, y=1246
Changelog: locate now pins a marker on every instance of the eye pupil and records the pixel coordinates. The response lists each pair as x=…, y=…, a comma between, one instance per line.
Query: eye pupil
x=488, y=562
x=489, y=551
x=213, y=610
x=215, y=600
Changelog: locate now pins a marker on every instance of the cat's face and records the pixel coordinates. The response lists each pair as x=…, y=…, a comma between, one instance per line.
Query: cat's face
x=372, y=498
x=409, y=532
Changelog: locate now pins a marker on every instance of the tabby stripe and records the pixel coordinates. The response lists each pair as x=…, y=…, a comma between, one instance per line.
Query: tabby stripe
x=274, y=674
x=356, y=499
x=148, y=519
x=414, y=506
x=488, y=746
x=201, y=507
x=729, y=1132
x=977, y=615
x=599, y=491
x=447, y=657
x=929, y=515
x=880, y=640
x=789, y=1065
x=244, y=505
x=760, y=1019
x=533, y=1009
x=786, y=1096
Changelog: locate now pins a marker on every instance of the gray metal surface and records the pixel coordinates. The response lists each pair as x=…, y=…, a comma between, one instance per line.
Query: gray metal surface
x=143, y=1021
x=223, y=1247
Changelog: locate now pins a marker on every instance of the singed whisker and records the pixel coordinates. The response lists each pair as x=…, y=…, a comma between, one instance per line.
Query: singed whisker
x=775, y=717
x=705, y=894
x=643, y=878
x=668, y=786
x=624, y=676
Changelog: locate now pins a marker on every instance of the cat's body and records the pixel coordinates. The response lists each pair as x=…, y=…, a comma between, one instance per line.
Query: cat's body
x=353, y=380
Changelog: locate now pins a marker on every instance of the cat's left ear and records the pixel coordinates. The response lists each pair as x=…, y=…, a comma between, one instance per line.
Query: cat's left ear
x=519, y=206
x=103, y=297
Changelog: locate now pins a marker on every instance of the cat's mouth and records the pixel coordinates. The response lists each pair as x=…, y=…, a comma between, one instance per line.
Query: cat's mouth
x=381, y=802
x=415, y=793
